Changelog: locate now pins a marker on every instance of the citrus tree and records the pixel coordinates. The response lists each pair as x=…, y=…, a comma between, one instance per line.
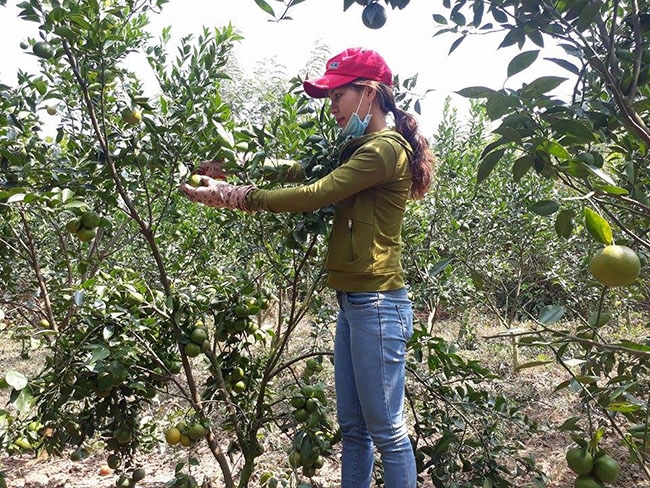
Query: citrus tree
x=120, y=282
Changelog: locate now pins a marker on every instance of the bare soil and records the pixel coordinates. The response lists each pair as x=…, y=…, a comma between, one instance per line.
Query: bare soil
x=533, y=388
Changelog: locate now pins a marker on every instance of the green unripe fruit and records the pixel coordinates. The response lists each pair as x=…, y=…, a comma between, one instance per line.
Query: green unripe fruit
x=586, y=481
x=86, y=235
x=615, y=265
x=43, y=50
x=579, y=460
x=199, y=335
x=192, y=349
x=374, y=16
x=239, y=387
x=73, y=226
x=606, y=469
x=138, y=475
x=114, y=461
x=196, y=432
x=131, y=116
x=194, y=180
x=90, y=219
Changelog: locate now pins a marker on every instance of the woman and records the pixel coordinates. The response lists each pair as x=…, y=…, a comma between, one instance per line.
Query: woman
x=380, y=169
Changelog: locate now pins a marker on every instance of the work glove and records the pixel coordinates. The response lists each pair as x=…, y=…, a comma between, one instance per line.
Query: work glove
x=218, y=194
x=213, y=169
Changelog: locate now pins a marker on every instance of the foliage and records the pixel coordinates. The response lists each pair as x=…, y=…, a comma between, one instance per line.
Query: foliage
x=114, y=316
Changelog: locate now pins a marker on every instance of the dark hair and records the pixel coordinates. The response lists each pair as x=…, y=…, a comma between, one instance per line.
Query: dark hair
x=422, y=161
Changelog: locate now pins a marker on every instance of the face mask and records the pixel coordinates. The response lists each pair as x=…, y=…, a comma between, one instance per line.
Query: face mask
x=355, y=126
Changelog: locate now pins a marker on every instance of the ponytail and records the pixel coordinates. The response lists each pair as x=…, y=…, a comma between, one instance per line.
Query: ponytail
x=422, y=160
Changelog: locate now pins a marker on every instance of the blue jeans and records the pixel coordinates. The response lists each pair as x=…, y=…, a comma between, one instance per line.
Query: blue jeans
x=369, y=369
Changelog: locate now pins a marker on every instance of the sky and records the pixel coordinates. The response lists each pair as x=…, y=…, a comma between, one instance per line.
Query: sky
x=407, y=43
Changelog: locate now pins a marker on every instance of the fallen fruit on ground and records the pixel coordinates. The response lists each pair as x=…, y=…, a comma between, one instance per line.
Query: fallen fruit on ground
x=615, y=266
x=105, y=470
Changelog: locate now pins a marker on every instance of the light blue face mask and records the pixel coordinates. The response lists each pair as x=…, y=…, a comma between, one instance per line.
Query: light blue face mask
x=355, y=126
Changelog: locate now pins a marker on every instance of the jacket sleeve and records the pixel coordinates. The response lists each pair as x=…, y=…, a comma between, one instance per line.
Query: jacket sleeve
x=372, y=164
x=287, y=170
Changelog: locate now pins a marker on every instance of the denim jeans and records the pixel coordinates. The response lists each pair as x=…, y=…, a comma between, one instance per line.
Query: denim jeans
x=369, y=367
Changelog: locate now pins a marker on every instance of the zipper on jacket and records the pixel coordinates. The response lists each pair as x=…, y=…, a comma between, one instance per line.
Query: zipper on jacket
x=350, y=228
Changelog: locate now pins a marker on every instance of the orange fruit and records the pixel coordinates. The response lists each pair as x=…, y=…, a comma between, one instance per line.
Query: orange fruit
x=173, y=436
x=615, y=266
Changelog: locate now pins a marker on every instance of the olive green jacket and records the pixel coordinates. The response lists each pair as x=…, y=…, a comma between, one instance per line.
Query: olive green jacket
x=369, y=190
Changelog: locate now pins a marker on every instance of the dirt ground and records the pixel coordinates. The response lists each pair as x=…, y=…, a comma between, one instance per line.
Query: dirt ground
x=533, y=388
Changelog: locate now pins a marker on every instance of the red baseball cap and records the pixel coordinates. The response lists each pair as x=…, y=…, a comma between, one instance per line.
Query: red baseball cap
x=350, y=65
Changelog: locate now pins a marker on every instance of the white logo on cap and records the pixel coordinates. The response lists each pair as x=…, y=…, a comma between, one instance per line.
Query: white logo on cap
x=333, y=65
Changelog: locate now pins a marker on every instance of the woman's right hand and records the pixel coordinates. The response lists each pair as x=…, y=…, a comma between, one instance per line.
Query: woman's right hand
x=213, y=169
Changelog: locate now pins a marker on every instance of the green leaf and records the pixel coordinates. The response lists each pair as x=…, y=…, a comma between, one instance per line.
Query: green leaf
x=16, y=380
x=487, y=165
x=579, y=130
x=522, y=61
x=623, y=407
x=554, y=149
x=598, y=227
x=598, y=172
x=551, y=314
x=612, y=190
x=439, y=19
x=598, y=320
x=565, y=64
x=439, y=267
x=521, y=166
x=455, y=44
x=571, y=423
x=564, y=223
x=476, y=92
x=24, y=401
x=588, y=15
x=265, y=6
x=541, y=86
x=544, y=207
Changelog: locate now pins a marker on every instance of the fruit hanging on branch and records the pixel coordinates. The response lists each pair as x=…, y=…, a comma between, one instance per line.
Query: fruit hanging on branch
x=131, y=115
x=374, y=15
x=615, y=265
